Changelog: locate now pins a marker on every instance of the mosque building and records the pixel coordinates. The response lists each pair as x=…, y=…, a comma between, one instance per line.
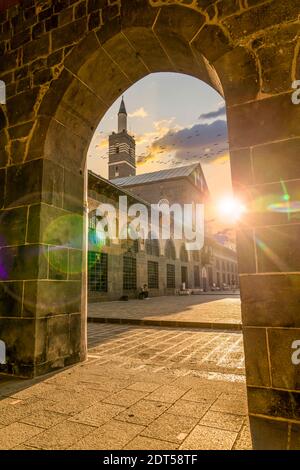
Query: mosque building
x=118, y=267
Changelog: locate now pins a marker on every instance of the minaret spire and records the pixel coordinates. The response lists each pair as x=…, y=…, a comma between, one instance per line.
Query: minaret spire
x=121, y=149
x=122, y=117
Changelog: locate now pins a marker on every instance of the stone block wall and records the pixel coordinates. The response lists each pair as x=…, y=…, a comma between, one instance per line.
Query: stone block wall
x=50, y=53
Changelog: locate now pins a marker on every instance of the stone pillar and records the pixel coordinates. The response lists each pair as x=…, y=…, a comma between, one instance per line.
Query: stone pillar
x=265, y=164
x=178, y=274
x=115, y=273
x=141, y=270
x=42, y=316
x=162, y=272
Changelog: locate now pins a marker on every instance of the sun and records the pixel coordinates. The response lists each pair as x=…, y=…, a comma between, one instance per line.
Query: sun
x=230, y=209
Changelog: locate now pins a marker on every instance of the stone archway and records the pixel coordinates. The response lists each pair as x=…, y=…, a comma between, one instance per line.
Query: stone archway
x=64, y=65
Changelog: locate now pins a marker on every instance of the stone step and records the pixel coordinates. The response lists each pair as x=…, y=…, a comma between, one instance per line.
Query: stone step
x=167, y=323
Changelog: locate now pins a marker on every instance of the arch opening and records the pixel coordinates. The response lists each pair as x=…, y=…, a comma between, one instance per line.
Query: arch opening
x=45, y=129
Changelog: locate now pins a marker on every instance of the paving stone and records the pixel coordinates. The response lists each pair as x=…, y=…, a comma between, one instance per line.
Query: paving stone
x=89, y=390
x=70, y=404
x=105, y=383
x=221, y=420
x=23, y=447
x=170, y=428
x=125, y=397
x=77, y=397
x=231, y=404
x=145, y=443
x=111, y=436
x=16, y=412
x=143, y=412
x=189, y=408
x=143, y=386
x=167, y=394
x=15, y=434
x=40, y=390
x=97, y=414
x=44, y=419
x=244, y=441
x=206, y=438
x=9, y=401
x=60, y=436
x=206, y=309
x=188, y=381
x=208, y=395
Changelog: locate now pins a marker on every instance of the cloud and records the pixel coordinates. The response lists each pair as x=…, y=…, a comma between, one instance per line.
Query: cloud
x=139, y=113
x=102, y=144
x=206, y=142
x=214, y=114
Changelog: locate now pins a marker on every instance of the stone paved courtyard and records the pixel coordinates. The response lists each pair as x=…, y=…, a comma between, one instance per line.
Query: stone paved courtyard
x=141, y=388
x=214, y=310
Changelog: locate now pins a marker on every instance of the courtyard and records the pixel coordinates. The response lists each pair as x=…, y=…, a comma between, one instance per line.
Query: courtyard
x=142, y=387
x=214, y=310
x=149, y=378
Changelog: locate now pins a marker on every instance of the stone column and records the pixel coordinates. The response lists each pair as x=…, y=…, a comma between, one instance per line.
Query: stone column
x=141, y=270
x=115, y=273
x=41, y=263
x=266, y=172
x=162, y=272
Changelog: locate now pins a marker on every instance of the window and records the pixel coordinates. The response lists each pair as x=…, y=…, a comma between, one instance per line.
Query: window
x=129, y=273
x=97, y=272
x=171, y=276
x=97, y=237
x=152, y=246
x=196, y=276
x=184, y=276
x=130, y=246
x=170, y=251
x=210, y=276
x=184, y=254
x=117, y=149
x=117, y=171
x=153, y=282
x=218, y=264
x=93, y=221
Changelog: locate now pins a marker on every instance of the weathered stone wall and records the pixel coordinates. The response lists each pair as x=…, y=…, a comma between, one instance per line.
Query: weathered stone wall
x=64, y=63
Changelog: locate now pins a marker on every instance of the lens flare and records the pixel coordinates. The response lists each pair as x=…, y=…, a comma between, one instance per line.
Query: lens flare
x=64, y=237
x=97, y=239
x=285, y=207
x=285, y=204
x=230, y=209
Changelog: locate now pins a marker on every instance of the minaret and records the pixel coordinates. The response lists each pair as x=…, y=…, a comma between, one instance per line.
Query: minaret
x=121, y=149
x=122, y=118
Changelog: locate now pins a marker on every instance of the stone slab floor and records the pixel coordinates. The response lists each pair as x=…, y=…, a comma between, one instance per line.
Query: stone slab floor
x=213, y=308
x=141, y=388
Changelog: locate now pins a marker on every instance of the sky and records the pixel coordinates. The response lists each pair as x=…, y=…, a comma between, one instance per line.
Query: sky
x=176, y=120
